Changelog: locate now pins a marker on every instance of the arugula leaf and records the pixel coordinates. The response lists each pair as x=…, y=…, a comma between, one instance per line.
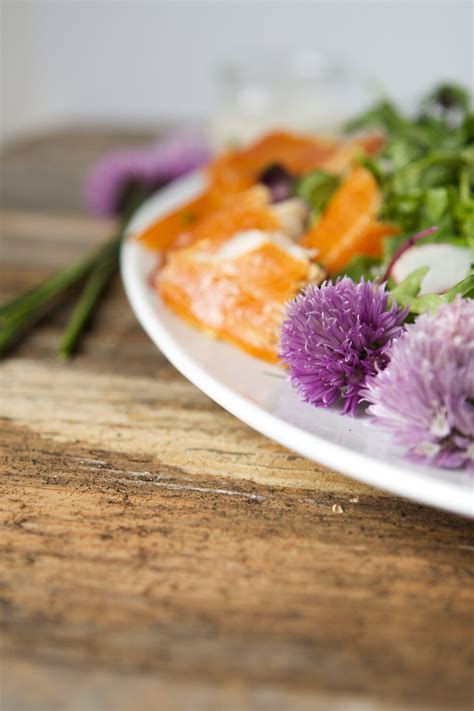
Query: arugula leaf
x=383, y=114
x=426, y=168
x=409, y=287
x=464, y=288
x=406, y=293
x=316, y=189
x=432, y=302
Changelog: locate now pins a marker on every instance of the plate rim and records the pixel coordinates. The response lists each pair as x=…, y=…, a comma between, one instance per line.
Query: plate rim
x=402, y=482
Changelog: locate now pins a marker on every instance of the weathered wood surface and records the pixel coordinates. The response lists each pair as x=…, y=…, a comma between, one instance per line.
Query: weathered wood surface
x=157, y=553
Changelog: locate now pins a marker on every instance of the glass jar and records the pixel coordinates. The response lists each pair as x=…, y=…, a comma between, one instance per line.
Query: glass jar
x=302, y=91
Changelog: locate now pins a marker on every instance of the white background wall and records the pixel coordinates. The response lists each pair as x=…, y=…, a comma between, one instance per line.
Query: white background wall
x=139, y=61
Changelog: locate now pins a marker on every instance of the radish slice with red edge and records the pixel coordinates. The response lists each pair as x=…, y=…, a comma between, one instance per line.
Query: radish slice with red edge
x=447, y=264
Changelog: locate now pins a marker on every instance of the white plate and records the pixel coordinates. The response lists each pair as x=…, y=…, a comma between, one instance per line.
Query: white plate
x=259, y=394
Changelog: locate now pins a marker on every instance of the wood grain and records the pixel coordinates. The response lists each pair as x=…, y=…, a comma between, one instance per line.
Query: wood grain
x=157, y=553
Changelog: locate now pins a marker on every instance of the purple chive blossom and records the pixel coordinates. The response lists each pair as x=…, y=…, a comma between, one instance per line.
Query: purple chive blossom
x=150, y=167
x=425, y=396
x=335, y=336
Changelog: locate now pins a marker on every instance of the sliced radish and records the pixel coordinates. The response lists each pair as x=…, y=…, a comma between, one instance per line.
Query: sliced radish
x=448, y=265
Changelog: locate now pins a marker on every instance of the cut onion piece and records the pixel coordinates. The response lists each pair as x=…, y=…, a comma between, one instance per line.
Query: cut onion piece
x=448, y=265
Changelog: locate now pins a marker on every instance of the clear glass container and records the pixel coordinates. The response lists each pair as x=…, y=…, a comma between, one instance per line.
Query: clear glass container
x=304, y=91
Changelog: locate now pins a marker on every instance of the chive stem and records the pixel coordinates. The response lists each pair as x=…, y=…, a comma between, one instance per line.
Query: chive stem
x=103, y=270
x=21, y=311
x=97, y=281
x=53, y=285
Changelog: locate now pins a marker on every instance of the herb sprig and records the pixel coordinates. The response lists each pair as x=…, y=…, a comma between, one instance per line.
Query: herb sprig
x=426, y=167
x=116, y=187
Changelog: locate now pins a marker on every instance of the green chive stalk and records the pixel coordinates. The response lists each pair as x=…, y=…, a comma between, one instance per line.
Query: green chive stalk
x=98, y=279
x=17, y=314
x=97, y=268
x=96, y=283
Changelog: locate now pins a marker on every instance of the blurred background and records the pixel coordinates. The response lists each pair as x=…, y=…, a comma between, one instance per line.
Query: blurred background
x=142, y=63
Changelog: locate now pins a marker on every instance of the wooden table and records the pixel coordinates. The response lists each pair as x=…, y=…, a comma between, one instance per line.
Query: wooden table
x=156, y=553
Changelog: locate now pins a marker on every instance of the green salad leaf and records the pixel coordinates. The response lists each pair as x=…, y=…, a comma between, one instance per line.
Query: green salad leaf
x=316, y=189
x=406, y=293
x=426, y=167
x=410, y=287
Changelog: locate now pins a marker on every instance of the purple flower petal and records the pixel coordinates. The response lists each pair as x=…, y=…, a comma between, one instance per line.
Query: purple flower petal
x=149, y=167
x=425, y=396
x=335, y=336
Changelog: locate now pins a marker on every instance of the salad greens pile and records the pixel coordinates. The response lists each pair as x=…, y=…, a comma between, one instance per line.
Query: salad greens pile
x=426, y=167
x=425, y=172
